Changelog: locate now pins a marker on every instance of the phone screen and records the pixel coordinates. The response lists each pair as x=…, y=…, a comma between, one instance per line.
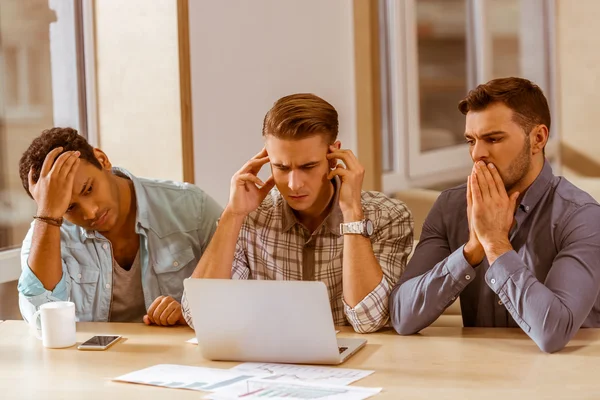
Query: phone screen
x=100, y=341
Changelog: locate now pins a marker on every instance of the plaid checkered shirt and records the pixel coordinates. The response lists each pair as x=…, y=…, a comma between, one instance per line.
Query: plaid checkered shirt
x=272, y=244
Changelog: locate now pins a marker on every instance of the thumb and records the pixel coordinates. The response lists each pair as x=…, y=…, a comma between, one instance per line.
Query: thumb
x=513, y=199
x=266, y=188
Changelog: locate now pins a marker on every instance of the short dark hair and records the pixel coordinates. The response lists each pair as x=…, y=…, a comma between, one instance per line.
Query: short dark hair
x=523, y=97
x=299, y=116
x=34, y=156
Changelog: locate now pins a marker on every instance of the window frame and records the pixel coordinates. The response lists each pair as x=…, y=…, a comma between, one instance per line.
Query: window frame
x=71, y=54
x=405, y=166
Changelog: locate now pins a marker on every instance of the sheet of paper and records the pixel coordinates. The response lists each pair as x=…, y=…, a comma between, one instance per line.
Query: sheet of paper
x=268, y=389
x=185, y=377
x=302, y=373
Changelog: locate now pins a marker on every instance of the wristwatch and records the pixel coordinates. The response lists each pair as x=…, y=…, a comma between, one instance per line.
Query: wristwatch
x=364, y=227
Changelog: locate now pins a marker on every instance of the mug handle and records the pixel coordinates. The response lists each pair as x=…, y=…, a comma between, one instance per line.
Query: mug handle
x=33, y=324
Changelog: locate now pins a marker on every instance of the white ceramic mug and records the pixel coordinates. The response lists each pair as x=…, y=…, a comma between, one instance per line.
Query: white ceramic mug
x=57, y=324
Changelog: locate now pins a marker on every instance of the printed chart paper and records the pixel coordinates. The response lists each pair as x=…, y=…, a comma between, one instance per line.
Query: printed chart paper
x=302, y=373
x=185, y=377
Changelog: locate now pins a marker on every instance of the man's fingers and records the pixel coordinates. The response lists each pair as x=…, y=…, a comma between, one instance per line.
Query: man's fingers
x=338, y=171
x=49, y=161
x=513, y=200
x=68, y=164
x=482, y=183
x=497, y=178
x=172, y=313
x=160, y=309
x=249, y=178
x=475, y=189
x=30, y=179
x=269, y=184
x=255, y=165
x=147, y=320
x=347, y=156
x=469, y=193
x=153, y=307
x=261, y=154
x=489, y=180
x=71, y=175
x=58, y=164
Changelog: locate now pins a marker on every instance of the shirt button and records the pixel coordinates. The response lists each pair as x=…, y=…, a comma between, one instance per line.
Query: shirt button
x=454, y=298
x=492, y=281
x=107, y=286
x=79, y=276
x=105, y=246
x=500, y=302
x=468, y=277
x=526, y=208
x=175, y=264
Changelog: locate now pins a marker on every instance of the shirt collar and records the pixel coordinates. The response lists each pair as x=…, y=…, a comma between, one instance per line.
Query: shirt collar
x=537, y=189
x=333, y=219
x=141, y=220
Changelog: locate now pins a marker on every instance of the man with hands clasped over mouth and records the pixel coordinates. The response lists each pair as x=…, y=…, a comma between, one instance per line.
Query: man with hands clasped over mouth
x=520, y=245
x=117, y=246
x=317, y=224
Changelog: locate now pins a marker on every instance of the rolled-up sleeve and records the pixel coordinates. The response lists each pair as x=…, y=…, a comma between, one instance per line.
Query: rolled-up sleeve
x=392, y=243
x=551, y=312
x=31, y=288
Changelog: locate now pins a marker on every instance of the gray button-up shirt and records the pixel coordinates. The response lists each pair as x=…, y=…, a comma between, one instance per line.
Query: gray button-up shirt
x=549, y=285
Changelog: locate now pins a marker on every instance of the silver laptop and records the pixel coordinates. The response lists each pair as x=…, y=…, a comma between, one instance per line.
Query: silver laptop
x=266, y=321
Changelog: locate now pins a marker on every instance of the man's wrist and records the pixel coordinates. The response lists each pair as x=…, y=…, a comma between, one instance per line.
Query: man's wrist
x=353, y=214
x=496, y=248
x=229, y=214
x=473, y=253
x=48, y=213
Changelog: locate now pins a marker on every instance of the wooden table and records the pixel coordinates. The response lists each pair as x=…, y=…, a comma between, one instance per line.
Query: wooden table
x=457, y=363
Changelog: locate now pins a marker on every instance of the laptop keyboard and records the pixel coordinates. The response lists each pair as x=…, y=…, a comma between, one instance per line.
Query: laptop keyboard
x=342, y=349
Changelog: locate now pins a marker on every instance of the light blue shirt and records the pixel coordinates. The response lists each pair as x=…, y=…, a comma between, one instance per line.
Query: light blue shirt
x=175, y=222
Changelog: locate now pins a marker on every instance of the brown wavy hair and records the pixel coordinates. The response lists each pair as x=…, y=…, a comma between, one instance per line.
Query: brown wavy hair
x=523, y=97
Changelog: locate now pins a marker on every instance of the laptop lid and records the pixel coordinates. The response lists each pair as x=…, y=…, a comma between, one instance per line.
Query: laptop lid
x=263, y=321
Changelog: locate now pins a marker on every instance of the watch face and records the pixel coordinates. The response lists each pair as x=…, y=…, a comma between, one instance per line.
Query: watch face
x=369, y=226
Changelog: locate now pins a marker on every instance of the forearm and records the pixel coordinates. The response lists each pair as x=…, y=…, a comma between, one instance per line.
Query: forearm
x=549, y=318
x=361, y=271
x=417, y=302
x=217, y=260
x=45, y=257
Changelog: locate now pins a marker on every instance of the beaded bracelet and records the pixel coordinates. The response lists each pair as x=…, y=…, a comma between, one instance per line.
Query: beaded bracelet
x=49, y=220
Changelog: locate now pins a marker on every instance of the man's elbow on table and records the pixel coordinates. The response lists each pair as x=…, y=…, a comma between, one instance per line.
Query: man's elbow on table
x=551, y=342
x=403, y=325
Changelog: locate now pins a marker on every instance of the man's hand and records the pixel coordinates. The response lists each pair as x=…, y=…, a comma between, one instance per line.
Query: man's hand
x=352, y=178
x=473, y=250
x=247, y=191
x=493, y=210
x=52, y=192
x=164, y=311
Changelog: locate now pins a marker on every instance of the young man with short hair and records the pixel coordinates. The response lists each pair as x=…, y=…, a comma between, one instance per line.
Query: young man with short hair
x=520, y=245
x=317, y=224
x=116, y=245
